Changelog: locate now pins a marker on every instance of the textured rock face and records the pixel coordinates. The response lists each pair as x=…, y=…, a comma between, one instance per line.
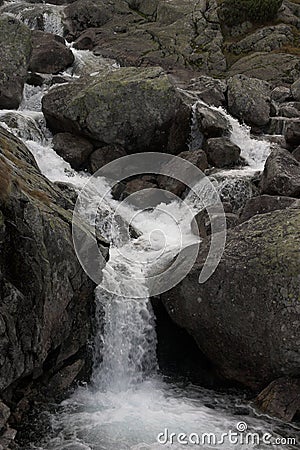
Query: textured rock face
x=181, y=33
x=281, y=94
x=249, y=100
x=138, y=109
x=281, y=175
x=46, y=298
x=15, y=48
x=49, y=53
x=245, y=318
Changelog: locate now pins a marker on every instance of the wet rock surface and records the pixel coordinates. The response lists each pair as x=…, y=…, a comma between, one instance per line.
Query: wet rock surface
x=46, y=298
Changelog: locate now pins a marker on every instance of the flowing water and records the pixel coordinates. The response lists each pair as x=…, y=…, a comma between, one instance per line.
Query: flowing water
x=128, y=403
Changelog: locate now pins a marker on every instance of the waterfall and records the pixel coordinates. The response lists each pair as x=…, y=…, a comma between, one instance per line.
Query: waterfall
x=43, y=16
x=128, y=403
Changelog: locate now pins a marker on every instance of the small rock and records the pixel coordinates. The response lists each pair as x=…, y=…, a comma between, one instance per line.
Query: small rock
x=291, y=109
x=295, y=89
x=209, y=90
x=281, y=94
x=74, y=149
x=34, y=79
x=212, y=123
x=49, y=53
x=7, y=438
x=296, y=153
x=105, y=155
x=4, y=414
x=86, y=40
x=141, y=192
x=280, y=399
x=281, y=175
x=221, y=152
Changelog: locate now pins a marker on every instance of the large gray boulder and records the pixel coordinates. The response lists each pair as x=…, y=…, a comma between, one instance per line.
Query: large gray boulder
x=46, y=297
x=15, y=49
x=249, y=100
x=281, y=175
x=245, y=318
x=136, y=108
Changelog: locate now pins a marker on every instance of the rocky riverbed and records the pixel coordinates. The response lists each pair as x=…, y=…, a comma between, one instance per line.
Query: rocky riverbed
x=83, y=83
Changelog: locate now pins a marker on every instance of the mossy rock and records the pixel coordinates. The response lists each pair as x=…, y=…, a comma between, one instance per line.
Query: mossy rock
x=15, y=50
x=136, y=108
x=246, y=317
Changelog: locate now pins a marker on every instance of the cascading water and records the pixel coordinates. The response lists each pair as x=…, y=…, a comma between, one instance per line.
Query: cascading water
x=128, y=403
x=45, y=17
